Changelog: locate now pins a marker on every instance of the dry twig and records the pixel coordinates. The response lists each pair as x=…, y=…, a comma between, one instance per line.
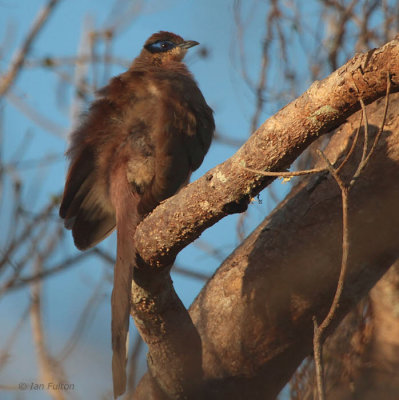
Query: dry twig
x=19, y=58
x=320, y=331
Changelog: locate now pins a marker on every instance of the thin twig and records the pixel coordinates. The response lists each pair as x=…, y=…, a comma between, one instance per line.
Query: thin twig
x=34, y=115
x=19, y=58
x=239, y=43
x=319, y=331
x=81, y=58
x=333, y=171
x=25, y=234
x=317, y=355
x=366, y=157
x=209, y=249
x=260, y=88
x=366, y=131
x=49, y=369
x=18, y=266
x=12, y=339
x=379, y=133
x=365, y=143
x=108, y=36
x=93, y=39
x=281, y=174
x=46, y=272
x=80, y=78
x=351, y=150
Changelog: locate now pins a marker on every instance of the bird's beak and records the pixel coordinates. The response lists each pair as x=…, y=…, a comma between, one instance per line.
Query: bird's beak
x=187, y=44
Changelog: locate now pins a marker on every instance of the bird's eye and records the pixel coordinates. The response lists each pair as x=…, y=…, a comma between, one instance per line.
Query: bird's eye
x=160, y=46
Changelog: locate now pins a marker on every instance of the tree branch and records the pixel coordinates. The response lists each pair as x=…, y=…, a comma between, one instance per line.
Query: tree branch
x=174, y=346
x=228, y=188
x=8, y=79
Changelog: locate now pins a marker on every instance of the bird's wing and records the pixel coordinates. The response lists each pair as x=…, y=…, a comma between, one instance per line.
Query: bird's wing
x=200, y=132
x=84, y=207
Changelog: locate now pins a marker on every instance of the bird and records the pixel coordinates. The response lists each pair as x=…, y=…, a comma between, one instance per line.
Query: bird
x=138, y=143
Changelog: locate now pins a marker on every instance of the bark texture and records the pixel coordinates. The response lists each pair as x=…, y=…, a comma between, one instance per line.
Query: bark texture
x=362, y=356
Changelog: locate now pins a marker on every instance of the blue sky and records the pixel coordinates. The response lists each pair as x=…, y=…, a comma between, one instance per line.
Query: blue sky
x=212, y=24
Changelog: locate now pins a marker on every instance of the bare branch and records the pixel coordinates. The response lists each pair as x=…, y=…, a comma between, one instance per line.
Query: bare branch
x=174, y=346
x=8, y=79
x=50, y=371
x=320, y=331
x=379, y=133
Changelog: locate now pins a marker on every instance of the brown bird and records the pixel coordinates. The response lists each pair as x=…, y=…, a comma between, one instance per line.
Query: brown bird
x=138, y=144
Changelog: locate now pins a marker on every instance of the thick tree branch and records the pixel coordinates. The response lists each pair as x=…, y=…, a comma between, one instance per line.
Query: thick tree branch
x=228, y=188
x=174, y=346
x=255, y=315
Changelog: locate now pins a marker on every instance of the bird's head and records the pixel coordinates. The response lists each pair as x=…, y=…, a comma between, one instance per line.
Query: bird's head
x=166, y=46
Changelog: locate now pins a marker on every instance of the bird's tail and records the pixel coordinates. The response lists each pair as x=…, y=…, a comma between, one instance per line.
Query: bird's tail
x=120, y=309
x=126, y=222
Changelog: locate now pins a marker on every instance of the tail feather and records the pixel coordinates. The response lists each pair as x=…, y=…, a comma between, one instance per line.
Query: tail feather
x=120, y=306
x=127, y=218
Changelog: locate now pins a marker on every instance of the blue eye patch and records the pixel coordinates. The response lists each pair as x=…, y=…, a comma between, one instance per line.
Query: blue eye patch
x=160, y=46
